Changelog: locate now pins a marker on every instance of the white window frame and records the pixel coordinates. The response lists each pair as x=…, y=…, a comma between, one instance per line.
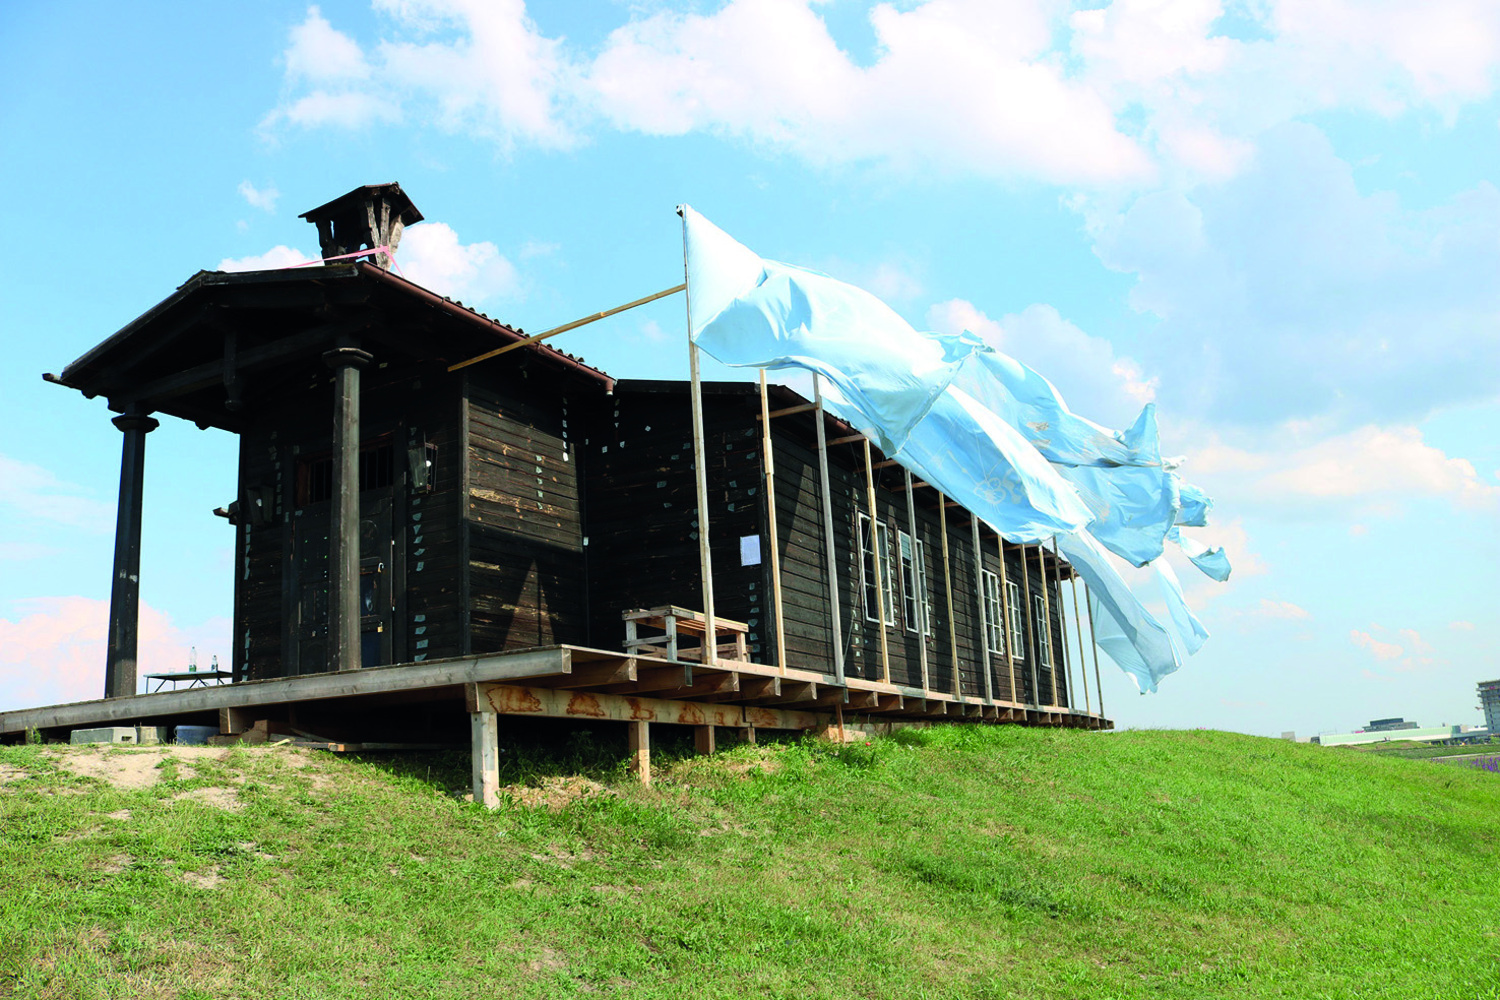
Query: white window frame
x=1017, y=623
x=916, y=602
x=994, y=638
x=926, y=591
x=1044, y=630
x=887, y=570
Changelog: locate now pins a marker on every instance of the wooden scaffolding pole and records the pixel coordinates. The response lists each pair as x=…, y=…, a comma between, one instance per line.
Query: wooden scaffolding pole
x=1041, y=562
x=948, y=589
x=984, y=635
x=825, y=496
x=885, y=656
x=1062, y=617
x=1094, y=641
x=775, y=562
x=1036, y=678
x=1083, y=663
x=710, y=653
x=918, y=581
x=1009, y=654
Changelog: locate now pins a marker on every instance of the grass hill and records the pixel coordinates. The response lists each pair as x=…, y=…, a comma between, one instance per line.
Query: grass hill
x=950, y=862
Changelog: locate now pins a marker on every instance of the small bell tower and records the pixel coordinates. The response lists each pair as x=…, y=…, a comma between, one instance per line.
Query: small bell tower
x=368, y=217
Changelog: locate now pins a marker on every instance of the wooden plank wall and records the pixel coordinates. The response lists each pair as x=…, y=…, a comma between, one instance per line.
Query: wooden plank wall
x=413, y=405
x=642, y=508
x=529, y=575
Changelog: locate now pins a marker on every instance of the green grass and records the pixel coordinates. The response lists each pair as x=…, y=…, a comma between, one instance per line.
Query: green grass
x=952, y=862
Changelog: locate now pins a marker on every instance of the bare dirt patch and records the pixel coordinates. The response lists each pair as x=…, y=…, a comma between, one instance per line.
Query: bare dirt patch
x=9, y=774
x=555, y=793
x=547, y=960
x=116, y=864
x=219, y=798
x=207, y=879
x=134, y=768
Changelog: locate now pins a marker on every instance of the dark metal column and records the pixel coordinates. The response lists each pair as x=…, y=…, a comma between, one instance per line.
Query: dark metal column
x=343, y=526
x=125, y=588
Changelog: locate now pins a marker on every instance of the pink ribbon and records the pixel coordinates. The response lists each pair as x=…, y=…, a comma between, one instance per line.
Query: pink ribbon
x=344, y=256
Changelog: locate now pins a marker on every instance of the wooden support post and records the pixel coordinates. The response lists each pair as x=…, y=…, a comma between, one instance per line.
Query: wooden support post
x=775, y=560
x=343, y=525
x=700, y=466
x=125, y=586
x=1036, y=679
x=703, y=739
x=1094, y=641
x=984, y=637
x=948, y=588
x=1083, y=663
x=640, y=750
x=918, y=581
x=1041, y=562
x=485, y=736
x=1062, y=618
x=831, y=573
x=885, y=656
x=1010, y=635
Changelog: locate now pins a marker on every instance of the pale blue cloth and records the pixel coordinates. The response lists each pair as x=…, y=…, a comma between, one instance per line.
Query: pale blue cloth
x=1131, y=635
x=1134, y=507
x=750, y=312
x=1032, y=405
x=1195, y=506
x=1190, y=633
x=887, y=379
x=1212, y=561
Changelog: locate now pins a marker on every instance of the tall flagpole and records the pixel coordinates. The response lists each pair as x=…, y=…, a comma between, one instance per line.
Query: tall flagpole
x=1083, y=663
x=825, y=498
x=700, y=465
x=775, y=555
x=1094, y=641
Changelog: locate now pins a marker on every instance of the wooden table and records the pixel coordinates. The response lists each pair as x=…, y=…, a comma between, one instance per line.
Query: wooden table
x=677, y=622
x=196, y=678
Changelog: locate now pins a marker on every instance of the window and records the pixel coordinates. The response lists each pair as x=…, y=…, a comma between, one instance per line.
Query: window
x=377, y=469
x=916, y=600
x=994, y=615
x=1017, y=630
x=1043, y=631
x=867, y=570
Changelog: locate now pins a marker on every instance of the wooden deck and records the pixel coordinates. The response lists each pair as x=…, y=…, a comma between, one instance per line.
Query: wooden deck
x=559, y=682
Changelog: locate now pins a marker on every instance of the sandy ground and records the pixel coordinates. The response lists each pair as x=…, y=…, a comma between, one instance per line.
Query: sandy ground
x=133, y=768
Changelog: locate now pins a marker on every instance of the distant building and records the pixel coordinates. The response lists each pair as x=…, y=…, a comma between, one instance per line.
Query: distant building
x=1489, y=701
x=1388, y=725
x=1429, y=734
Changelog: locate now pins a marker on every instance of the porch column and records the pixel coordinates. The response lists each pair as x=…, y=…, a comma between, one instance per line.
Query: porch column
x=343, y=523
x=125, y=587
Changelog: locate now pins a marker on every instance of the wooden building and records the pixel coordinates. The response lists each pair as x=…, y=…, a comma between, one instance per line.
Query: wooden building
x=396, y=510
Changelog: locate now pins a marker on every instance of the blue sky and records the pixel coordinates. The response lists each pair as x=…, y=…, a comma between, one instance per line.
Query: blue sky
x=1278, y=219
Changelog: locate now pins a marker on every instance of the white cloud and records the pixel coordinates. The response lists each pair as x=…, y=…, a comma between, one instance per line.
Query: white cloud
x=1379, y=650
x=1461, y=626
x=1281, y=610
x=264, y=200
x=431, y=255
x=272, y=259
x=54, y=652
x=1378, y=463
x=35, y=492
x=320, y=53
x=1096, y=382
x=348, y=110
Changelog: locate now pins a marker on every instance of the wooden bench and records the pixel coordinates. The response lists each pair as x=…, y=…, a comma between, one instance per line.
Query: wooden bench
x=676, y=623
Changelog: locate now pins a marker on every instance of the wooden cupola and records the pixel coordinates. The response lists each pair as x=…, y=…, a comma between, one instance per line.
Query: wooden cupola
x=368, y=217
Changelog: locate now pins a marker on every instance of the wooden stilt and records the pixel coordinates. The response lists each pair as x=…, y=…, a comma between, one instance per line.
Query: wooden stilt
x=983, y=619
x=918, y=578
x=485, y=737
x=875, y=553
x=775, y=556
x=825, y=497
x=703, y=739
x=1009, y=654
x=948, y=588
x=1083, y=663
x=640, y=750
